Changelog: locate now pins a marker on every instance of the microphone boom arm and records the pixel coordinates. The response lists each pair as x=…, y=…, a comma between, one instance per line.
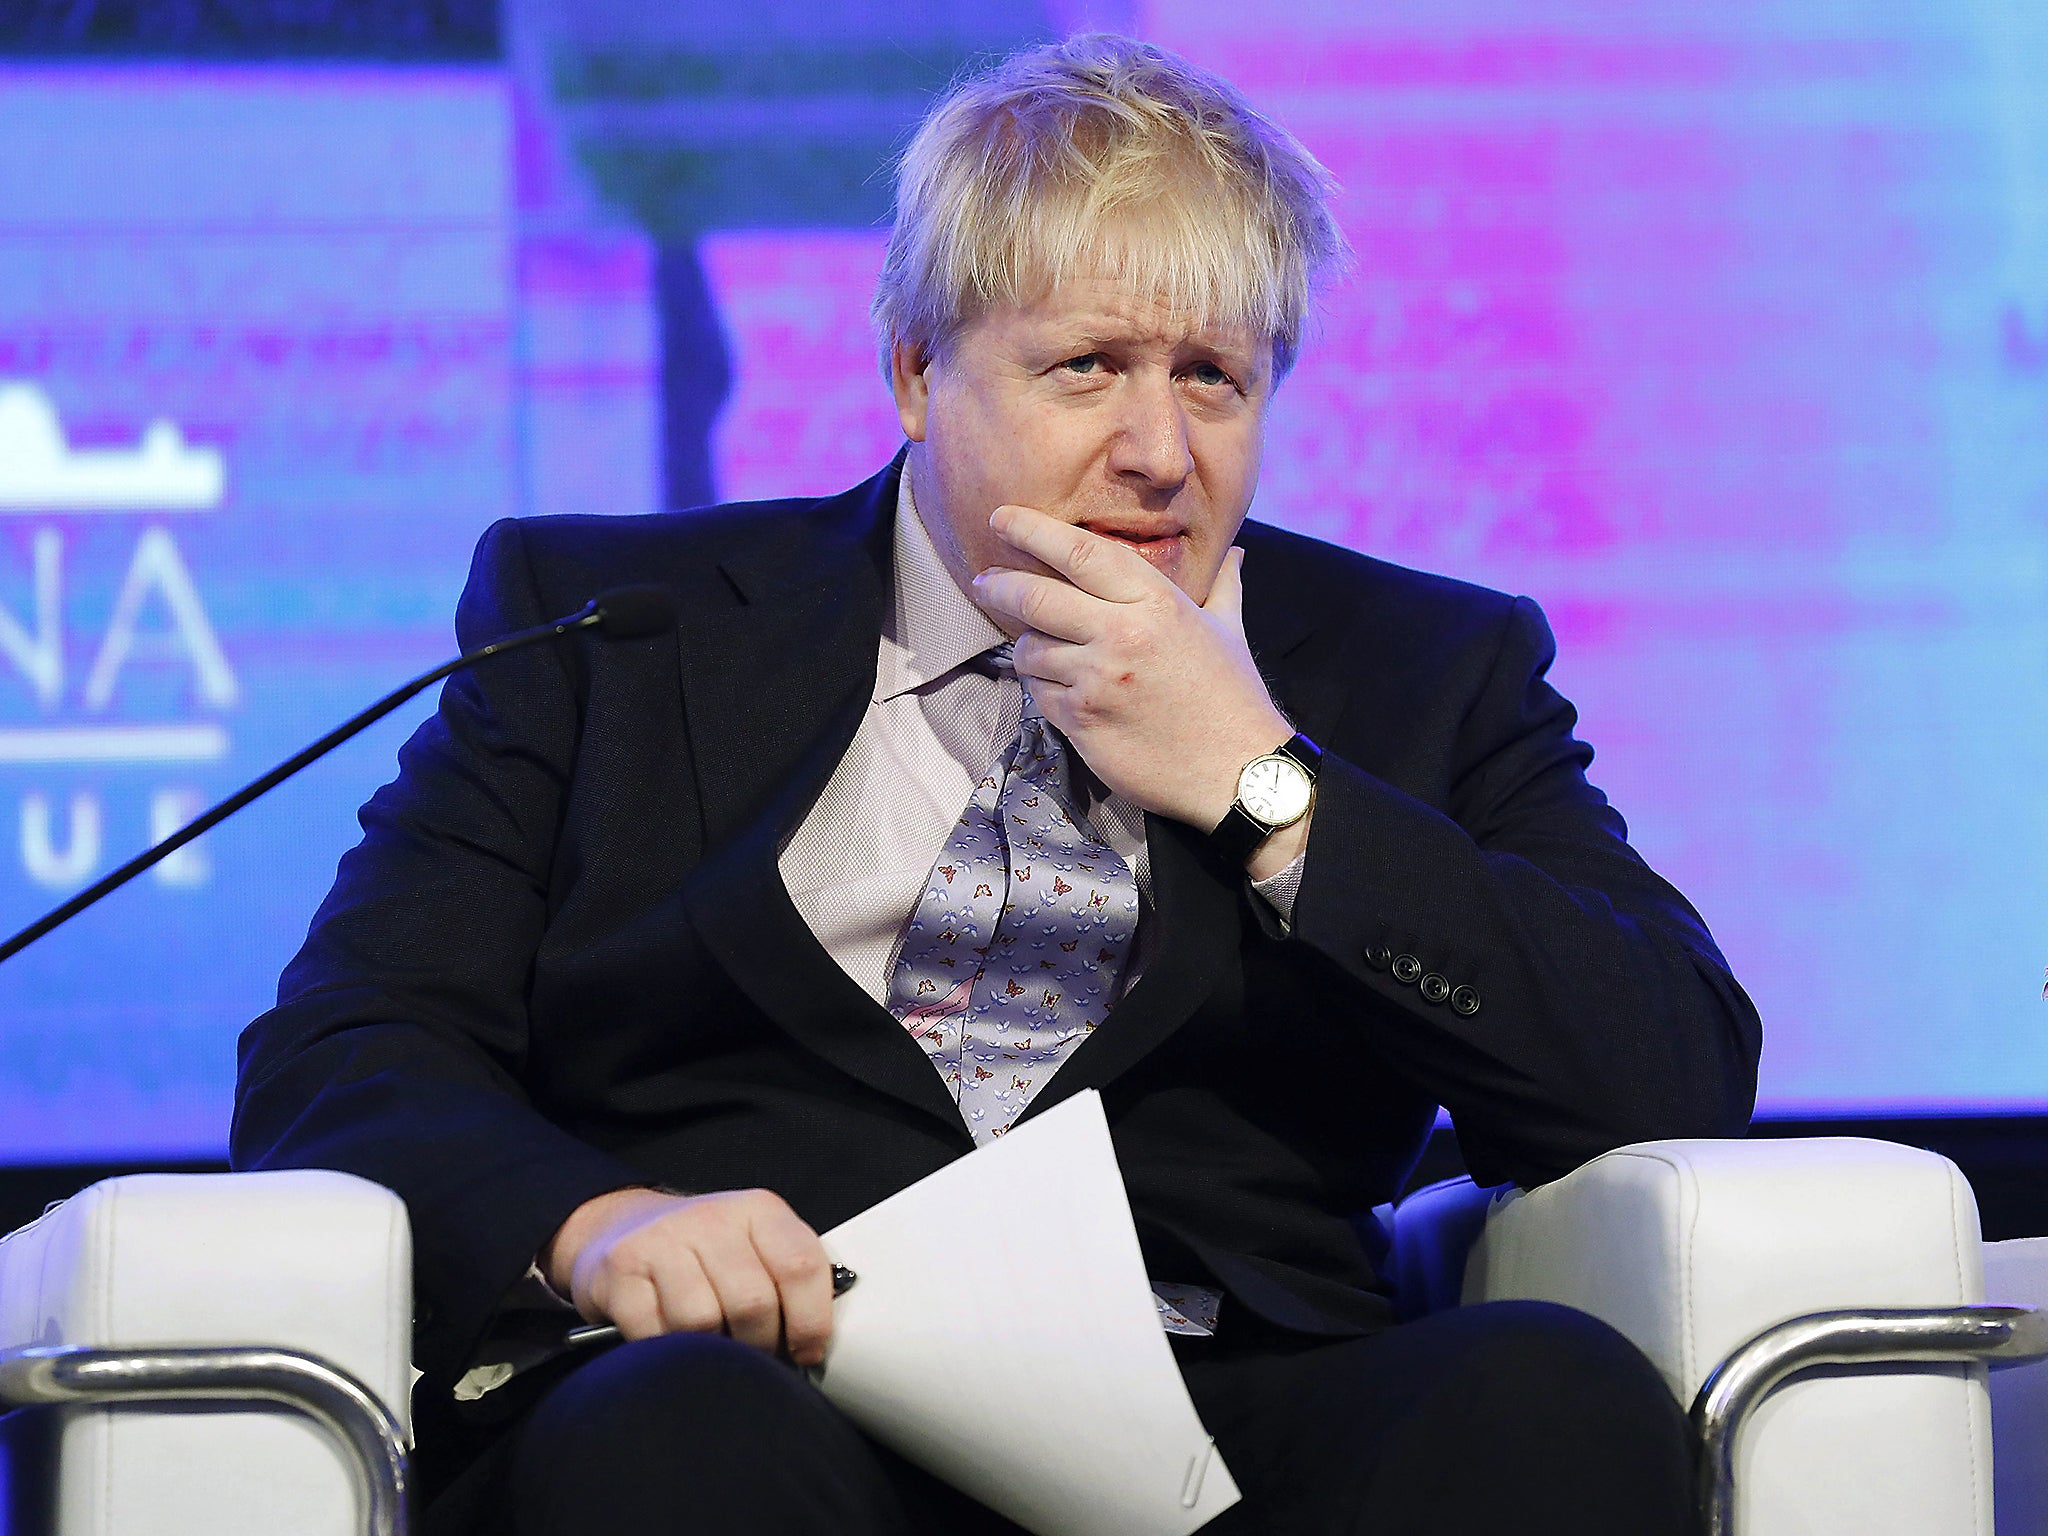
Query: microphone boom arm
x=591, y=616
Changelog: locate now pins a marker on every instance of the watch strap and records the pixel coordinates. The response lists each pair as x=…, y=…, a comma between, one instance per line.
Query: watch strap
x=1237, y=835
x=1304, y=752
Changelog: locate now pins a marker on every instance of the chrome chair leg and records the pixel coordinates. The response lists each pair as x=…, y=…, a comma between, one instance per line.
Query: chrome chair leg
x=327, y=1394
x=1880, y=1336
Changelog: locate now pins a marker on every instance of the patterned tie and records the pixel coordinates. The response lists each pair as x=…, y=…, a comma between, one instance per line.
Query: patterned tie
x=1026, y=921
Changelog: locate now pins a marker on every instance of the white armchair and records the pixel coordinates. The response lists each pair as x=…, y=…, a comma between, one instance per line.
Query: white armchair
x=1693, y=1248
x=1689, y=1248
x=256, y=1289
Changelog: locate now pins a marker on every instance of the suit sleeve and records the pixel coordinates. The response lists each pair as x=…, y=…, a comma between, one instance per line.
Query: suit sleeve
x=1556, y=996
x=397, y=1047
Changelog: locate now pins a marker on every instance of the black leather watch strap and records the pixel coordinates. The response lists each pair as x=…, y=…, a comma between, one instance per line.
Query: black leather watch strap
x=1304, y=752
x=1240, y=831
x=1237, y=835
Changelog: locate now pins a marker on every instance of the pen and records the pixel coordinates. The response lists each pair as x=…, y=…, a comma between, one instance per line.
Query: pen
x=605, y=1333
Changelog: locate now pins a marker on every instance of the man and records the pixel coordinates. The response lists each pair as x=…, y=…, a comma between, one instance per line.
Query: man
x=961, y=792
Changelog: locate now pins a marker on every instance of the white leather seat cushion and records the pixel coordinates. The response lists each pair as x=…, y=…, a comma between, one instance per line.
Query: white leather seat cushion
x=320, y=1262
x=1690, y=1248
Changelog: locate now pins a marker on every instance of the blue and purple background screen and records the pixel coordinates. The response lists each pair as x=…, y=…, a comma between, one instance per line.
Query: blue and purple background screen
x=1719, y=329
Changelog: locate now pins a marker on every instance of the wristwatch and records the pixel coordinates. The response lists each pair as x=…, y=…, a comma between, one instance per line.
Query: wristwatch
x=1273, y=791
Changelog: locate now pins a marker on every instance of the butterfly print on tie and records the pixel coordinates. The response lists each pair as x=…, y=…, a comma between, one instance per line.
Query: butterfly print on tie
x=1012, y=1005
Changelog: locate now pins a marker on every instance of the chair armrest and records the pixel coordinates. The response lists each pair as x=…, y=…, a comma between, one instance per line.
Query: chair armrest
x=1690, y=1248
x=301, y=1260
x=307, y=1260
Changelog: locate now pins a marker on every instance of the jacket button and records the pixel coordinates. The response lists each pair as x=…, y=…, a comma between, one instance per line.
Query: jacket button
x=1379, y=957
x=1465, y=1001
x=1434, y=988
x=1406, y=969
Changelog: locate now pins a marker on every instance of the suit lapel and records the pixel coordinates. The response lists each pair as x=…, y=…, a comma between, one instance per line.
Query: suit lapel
x=773, y=692
x=1279, y=629
x=765, y=687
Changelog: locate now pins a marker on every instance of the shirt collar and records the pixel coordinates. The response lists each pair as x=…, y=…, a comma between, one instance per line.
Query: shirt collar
x=934, y=626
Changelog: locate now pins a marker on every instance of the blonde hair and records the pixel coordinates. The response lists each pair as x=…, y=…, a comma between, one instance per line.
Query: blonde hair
x=1104, y=155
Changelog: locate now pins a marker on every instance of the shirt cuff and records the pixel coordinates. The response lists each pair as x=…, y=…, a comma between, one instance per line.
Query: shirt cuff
x=1278, y=891
x=533, y=1290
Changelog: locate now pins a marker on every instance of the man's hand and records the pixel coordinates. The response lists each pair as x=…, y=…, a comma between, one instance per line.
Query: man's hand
x=741, y=1262
x=1160, y=696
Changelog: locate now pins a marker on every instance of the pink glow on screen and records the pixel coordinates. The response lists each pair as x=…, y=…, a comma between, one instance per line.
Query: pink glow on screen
x=809, y=413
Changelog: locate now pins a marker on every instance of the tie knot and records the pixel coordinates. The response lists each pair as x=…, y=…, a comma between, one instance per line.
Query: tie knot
x=1002, y=660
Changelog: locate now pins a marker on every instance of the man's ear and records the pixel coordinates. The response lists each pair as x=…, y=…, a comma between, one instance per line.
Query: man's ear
x=909, y=380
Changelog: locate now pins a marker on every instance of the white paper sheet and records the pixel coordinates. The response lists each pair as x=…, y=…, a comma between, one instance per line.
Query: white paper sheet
x=1003, y=1336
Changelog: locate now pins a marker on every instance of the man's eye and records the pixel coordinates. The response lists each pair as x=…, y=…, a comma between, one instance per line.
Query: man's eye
x=1209, y=373
x=1090, y=362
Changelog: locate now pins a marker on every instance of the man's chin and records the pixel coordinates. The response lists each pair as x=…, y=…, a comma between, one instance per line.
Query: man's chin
x=1184, y=567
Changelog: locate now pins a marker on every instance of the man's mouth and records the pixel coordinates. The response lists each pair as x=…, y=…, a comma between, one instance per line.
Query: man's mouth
x=1160, y=543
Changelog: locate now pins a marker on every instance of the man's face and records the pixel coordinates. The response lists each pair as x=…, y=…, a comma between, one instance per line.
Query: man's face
x=1100, y=407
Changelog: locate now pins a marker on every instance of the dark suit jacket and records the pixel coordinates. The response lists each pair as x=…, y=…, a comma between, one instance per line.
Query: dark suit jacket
x=561, y=961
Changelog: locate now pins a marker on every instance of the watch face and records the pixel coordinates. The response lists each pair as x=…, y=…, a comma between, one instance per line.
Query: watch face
x=1274, y=789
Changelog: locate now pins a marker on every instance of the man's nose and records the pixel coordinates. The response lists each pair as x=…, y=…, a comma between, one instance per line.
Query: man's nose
x=1152, y=433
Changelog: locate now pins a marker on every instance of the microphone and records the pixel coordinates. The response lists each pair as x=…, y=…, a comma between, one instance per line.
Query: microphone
x=622, y=613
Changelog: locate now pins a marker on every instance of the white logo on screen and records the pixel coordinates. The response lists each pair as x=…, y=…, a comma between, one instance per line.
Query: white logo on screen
x=41, y=472
x=63, y=836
